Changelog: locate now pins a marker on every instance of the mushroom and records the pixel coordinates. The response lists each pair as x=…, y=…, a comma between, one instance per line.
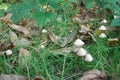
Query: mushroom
x=8, y=52
x=81, y=52
x=102, y=28
x=44, y=31
x=102, y=35
x=79, y=43
x=42, y=46
x=104, y=21
x=88, y=58
x=116, y=17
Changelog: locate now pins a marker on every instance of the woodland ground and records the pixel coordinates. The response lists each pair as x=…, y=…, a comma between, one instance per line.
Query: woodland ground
x=58, y=65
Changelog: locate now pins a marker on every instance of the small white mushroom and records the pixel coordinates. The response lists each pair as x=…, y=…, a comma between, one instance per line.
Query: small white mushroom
x=81, y=52
x=42, y=46
x=104, y=21
x=116, y=17
x=102, y=27
x=102, y=35
x=88, y=58
x=79, y=42
x=44, y=31
x=8, y=52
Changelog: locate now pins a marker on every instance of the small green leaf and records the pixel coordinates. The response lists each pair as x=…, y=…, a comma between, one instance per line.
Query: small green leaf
x=115, y=22
x=42, y=17
x=22, y=10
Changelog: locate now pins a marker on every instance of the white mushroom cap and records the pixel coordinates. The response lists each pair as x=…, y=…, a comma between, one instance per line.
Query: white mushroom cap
x=104, y=21
x=44, y=31
x=82, y=52
x=8, y=52
x=88, y=58
x=79, y=42
x=102, y=35
x=102, y=28
x=115, y=17
x=42, y=46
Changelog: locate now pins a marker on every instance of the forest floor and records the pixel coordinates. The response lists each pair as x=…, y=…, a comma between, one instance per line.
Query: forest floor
x=49, y=52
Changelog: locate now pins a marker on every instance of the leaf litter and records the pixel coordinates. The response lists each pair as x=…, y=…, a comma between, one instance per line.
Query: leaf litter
x=93, y=75
x=18, y=77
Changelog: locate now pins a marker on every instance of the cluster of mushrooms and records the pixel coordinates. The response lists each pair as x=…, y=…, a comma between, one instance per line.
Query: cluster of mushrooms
x=80, y=51
x=102, y=28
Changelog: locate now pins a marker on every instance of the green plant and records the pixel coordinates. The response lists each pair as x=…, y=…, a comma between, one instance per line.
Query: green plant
x=43, y=11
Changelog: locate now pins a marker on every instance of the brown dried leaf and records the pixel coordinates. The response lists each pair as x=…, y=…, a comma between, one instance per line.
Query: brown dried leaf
x=92, y=36
x=38, y=78
x=24, y=56
x=3, y=46
x=6, y=19
x=24, y=52
x=93, y=75
x=113, y=41
x=21, y=29
x=69, y=39
x=53, y=37
x=61, y=41
x=13, y=37
x=12, y=77
x=76, y=19
x=84, y=28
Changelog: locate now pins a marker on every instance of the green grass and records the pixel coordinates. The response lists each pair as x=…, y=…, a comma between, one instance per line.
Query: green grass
x=56, y=67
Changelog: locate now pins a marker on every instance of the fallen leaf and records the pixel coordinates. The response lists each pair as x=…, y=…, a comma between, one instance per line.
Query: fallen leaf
x=3, y=46
x=69, y=39
x=38, y=78
x=23, y=42
x=12, y=77
x=62, y=42
x=113, y=41
x=93, y=75
x=92, y=36
x=76, y=19
x=20, y=28
x=13, y=37
x=84, y=29
x=53, y=37
x=24, y=52
x=6, y=18
x=1, y=53
x=24, y=56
